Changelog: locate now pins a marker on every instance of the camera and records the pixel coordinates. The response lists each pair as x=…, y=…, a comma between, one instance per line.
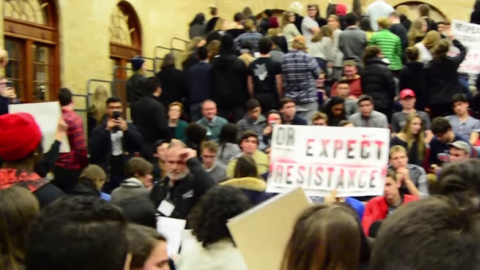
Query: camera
x=117, y=114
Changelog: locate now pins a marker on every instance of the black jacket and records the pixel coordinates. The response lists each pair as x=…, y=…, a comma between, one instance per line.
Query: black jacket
x=100, y=145
x=377, y=82
x=405, y=22
x=211, y=24
x=399, y=30
x=85, y=187
x=135, y=87
x=151, y=119
x=174, y=85
x=442, y=77
x=412, y=77
x=228, y=78
x=186, y=192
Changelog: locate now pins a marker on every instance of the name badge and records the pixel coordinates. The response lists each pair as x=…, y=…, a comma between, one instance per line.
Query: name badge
x=166, y=208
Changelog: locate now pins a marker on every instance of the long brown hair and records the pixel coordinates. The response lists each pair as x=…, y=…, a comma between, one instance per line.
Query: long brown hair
x=411, y=138
x=415, y=31
x=431, y=39
x=99, y=103
x=324, y=237
x=325, y=31
x=18, y=207
x=245, y=167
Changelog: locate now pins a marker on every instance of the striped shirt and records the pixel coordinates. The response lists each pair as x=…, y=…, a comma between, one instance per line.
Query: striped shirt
x=300, y=72
x=253, y=37
x=391, y=47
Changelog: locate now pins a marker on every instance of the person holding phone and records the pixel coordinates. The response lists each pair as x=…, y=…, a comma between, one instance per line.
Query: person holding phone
x=113, y=143
x=7, y=95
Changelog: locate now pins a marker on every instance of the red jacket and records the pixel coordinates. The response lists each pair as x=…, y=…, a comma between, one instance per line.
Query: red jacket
x=377, y=209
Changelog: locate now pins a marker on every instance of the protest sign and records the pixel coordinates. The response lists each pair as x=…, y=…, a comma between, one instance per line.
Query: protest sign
x=352, y=161
x=469, y=35
x=46, y=114
x=262, y=232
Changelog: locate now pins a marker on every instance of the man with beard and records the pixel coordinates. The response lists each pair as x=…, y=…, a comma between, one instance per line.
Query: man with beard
x=185, y=183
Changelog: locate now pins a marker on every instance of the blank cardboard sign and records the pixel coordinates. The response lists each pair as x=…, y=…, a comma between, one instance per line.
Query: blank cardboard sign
x=262, y=233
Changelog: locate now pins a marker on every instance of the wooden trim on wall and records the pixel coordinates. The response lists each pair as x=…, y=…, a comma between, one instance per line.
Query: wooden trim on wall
x=29, y=70
x=123, y=51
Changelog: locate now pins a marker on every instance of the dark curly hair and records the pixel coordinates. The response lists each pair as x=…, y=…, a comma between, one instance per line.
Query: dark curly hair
x=209, y=218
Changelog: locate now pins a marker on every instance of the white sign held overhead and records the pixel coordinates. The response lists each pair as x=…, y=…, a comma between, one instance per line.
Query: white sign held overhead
x=46, y=114
x=318, y=159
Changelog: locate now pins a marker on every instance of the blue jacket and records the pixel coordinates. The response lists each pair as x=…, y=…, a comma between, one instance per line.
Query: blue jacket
x=254, y=188
x=299, y=121
x=199, y=79
x=100, y=145
x=4, y=102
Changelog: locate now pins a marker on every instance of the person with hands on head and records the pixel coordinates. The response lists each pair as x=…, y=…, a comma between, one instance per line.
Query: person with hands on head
x=186, y=182
x=113, y=143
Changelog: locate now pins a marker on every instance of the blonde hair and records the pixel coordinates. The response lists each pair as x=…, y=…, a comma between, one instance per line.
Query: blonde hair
x=415, y=31
x=325, y=31
x=384, y=23
x=403, y=9
x=418, y=138
x=431, y=39
x=191, y=47
x=99, y=105
x=299, y=43
x=219, y=25
x=249, y=25
x=273, y=32
x=286, y=18
x=396, y=149
x=213, y=49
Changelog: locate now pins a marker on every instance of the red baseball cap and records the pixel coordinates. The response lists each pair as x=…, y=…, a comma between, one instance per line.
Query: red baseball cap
x=407, y=93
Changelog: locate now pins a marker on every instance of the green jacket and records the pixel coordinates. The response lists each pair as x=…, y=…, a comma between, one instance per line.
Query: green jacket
x=391, y=47
x=180, y=130
x=213, y=128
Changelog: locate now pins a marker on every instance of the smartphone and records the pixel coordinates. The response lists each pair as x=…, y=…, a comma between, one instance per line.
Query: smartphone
x=9, y=84
x=272, y=123
x=117, y=114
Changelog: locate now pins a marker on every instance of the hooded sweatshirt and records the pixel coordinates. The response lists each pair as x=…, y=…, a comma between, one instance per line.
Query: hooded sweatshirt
x=228, y=77
x=130, y=188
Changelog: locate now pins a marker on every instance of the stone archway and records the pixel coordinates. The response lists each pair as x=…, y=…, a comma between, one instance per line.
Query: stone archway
x=276, y=12
x=435, y=13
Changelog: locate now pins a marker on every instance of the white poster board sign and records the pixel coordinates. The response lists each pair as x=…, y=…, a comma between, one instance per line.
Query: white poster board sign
x=46, y=114
x=321, y=159
x=172, y=229
x=469, y=35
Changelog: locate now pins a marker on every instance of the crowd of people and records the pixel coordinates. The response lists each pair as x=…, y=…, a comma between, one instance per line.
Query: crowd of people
x=194, y=144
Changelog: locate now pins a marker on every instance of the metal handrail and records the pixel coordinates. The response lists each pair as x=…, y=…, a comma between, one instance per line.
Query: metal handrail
x=179, y=39
x=89, y=82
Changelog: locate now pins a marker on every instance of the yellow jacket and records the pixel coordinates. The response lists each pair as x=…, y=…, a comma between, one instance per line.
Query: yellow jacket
x=260, y=158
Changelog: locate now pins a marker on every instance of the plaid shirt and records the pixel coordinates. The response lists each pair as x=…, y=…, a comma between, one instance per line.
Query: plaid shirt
x=77, y=157
x=253, y=37
x=300, y=72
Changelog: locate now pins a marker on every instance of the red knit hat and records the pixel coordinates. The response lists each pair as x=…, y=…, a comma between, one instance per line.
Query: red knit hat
x=273, y=23
x=19, y=136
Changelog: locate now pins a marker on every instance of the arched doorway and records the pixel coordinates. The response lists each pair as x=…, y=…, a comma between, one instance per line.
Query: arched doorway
x=276, y=13
x=31, y=39
x=413, y=14
x=125, y=43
